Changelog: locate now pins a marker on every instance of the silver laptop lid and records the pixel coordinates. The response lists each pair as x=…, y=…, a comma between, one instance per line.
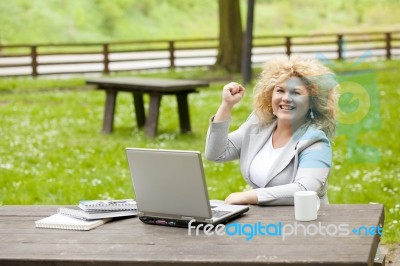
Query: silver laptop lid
x=169, y=183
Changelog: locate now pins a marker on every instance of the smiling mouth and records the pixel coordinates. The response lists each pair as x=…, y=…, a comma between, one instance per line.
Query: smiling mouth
x=286, y=107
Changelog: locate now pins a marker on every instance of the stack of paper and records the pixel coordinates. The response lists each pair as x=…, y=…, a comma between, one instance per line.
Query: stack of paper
x=88, y=214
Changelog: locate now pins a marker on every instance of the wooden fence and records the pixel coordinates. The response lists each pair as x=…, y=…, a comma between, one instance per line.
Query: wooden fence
x=46, y=59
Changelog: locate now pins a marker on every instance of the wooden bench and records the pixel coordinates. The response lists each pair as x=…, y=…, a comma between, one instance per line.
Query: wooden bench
x=130, y=242
x=156, y=88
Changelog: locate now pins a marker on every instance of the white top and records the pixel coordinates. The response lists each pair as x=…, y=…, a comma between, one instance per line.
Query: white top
x=263, y=162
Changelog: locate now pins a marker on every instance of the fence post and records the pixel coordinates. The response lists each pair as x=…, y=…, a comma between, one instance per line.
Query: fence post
x=34, y=63
x=288, y=45
x=171, y=54
x=248, y=43
x=340, y=46
x=106, y=60
x=388, y=46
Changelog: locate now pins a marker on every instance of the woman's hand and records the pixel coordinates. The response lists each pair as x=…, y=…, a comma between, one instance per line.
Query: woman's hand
x=242, y=198
x=232, y=93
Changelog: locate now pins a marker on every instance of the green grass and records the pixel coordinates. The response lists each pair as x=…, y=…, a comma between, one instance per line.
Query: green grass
x=52, y=151
x=23, y=84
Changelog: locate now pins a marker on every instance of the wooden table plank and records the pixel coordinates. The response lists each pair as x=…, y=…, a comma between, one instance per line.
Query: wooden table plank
x=149, y=84
x=130, y=242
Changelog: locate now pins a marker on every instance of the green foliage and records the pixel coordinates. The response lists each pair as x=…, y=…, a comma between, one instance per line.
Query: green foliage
x=102, y=20
x=313, y=16
x=61, y=21
x=52, y=151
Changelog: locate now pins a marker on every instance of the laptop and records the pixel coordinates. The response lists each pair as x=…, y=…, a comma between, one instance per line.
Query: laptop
x=171, y=190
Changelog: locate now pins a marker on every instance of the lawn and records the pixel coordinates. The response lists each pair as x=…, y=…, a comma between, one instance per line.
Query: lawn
x=52, y=150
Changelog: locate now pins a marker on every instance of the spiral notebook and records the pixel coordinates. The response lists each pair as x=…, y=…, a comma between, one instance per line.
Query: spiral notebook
x=60, y=221
x=108, y=205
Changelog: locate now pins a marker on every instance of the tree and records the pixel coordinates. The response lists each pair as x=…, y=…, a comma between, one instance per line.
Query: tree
x=230, y=36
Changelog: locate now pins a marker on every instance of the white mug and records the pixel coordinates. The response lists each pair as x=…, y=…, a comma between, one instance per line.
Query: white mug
x=306, y=205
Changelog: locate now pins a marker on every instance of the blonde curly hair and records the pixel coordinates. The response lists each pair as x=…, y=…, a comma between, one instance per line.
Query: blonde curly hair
x=319, y=80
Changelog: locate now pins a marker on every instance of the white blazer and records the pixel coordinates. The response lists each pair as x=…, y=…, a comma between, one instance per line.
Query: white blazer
x=304, y=165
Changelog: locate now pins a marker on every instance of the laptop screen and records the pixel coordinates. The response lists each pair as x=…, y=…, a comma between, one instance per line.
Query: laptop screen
x=168, y=182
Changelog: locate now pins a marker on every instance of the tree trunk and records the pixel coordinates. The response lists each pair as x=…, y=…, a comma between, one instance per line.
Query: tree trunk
x=230, y=36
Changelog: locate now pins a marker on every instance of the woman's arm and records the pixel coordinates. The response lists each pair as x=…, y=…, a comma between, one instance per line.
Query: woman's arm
x=312, y=174
x=219, y=144
x=242, y=198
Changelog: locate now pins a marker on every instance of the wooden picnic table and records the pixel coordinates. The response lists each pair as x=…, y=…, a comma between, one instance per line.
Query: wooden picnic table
x=130, y=242
x=156, y=88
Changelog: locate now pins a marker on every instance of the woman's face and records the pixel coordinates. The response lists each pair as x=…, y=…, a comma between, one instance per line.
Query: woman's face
x=290, y=101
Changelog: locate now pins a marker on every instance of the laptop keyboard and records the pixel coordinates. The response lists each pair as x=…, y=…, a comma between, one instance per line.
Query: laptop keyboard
x=217, y=214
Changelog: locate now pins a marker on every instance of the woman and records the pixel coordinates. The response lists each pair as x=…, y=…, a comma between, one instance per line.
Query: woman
x=284, y=146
